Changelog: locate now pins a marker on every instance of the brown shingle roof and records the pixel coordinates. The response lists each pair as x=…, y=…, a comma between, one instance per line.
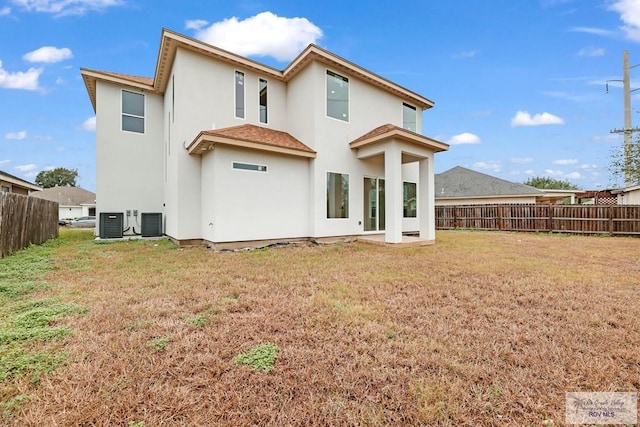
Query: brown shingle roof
x=67, y=196
x=250, y=136
x=387, y=131
x=137, y=79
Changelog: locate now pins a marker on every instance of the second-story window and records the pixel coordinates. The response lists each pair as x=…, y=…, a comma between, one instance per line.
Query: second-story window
x=132, y=111
x=409, y=117
x=263, y=101
x=337, y=96
x=239, y=86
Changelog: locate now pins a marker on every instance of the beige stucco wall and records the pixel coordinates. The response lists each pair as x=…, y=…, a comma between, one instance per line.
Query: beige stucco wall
x=129, y=173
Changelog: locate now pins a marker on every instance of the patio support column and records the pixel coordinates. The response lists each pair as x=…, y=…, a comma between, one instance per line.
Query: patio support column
x=426, y=201
x=393, y=194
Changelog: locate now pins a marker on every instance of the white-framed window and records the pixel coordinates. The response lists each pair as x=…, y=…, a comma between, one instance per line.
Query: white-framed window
x=337, y=195
x=337, y=96
x=5, y=189
x=263, y=100
x=132, y=111
x=239, y=90
x=409, y=200
x=409, y=117
x=248, y=167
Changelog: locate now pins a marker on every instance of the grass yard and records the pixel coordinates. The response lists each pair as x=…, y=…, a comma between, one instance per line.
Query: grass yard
x=481, y=329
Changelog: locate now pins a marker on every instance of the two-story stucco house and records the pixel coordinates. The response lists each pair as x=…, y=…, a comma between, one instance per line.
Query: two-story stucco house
x=220, y=148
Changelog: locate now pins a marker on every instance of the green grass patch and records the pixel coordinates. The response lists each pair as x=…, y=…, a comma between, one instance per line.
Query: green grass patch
x=160, y=343
x=25, y=318
x=260, y=358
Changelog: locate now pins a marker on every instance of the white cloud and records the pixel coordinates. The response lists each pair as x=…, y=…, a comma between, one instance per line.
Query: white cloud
x=629, y=11
x=592, y=30
x=4, y=162
x=610, y=137
x=5, y=11
x=588, y=167
x=89, y=124
x=26, y=168
x=265, y=34
x=529, y=172
x=195, y=24
x=523, y=118
x=564, y=162
x=27, y=80
x=562, y=175
x=493, y=165
x=66, y=7
x=465, y=54
x=16, y=135
x=464, y=138
x=591, y=51
x=522, y=160
x=48, y=55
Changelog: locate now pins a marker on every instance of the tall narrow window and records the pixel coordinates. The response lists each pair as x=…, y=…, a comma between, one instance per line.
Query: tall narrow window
x=337, y=195
x=409, y=199
x=337, y=96
x=239, y=94
x=409, y=117
x=263, y=101
x=132, y=111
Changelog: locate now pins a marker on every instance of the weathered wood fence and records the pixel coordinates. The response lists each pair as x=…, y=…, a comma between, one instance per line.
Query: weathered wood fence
x=621, y=220
x=25, y=220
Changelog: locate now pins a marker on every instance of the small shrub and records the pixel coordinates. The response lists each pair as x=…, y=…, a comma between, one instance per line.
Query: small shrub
x=260, y=358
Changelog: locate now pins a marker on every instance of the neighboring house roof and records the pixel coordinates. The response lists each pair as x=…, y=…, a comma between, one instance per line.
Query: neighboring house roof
x=463, y=183
x=67, y=196
x=170, y=42
x=250, y=136
x=18, y=181
x=388, y=131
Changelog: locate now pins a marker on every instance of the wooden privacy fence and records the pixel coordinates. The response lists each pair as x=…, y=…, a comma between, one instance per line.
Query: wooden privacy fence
x=621, y=220
x=25, y=220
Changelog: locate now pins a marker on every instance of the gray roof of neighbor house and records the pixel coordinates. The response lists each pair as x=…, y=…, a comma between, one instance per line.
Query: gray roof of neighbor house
x=67, y=196
x=463, y=182
x=18, y=181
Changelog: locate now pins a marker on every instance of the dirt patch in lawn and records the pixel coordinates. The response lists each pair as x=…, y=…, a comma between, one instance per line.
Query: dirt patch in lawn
x=481, y=329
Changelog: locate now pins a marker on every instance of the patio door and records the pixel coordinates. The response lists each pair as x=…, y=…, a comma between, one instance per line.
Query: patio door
x=373, y=204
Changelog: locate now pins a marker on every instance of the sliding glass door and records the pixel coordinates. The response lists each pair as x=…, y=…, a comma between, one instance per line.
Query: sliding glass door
x=373, y=204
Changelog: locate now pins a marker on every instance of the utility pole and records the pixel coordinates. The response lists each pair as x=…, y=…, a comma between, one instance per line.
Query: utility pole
x=627, y=130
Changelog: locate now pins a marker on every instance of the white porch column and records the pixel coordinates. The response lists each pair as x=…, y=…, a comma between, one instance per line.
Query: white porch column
x=426, y=201
x=393, y=193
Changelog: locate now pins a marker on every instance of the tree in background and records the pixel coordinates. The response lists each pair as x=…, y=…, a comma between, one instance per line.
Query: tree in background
x=60, y=177
x=547, y=183
x=625, y=163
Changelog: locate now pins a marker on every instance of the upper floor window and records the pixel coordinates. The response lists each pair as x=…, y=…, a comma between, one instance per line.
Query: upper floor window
x=263, y=101
x=409, y=117
x=239, y=85
x=132, y=111
x=337, y=96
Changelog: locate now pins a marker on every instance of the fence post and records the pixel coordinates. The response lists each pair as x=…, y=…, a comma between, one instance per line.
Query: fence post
x=550, y=216
x=611, y=215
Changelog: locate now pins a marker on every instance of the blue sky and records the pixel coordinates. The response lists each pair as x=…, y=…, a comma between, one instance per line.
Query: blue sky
x=518, y=85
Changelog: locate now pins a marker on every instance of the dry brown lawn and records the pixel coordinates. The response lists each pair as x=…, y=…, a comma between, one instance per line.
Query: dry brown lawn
x=481, y=329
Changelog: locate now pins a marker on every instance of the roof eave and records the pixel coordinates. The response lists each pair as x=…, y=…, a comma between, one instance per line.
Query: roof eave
x=421, y=140
x=205, y=142
x=91, y=77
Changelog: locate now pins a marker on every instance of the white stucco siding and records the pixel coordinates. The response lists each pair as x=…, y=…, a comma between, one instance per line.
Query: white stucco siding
x=240, y=205
x=129, y=166
x=629, y=198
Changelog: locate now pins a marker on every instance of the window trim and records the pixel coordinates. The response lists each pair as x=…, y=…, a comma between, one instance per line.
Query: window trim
x=244, y=95
x=258, y=168
x=415, y=110
x=143, y=117
x=326, y=100
x=403, y=200
x=266, y=107
x=326, y=187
